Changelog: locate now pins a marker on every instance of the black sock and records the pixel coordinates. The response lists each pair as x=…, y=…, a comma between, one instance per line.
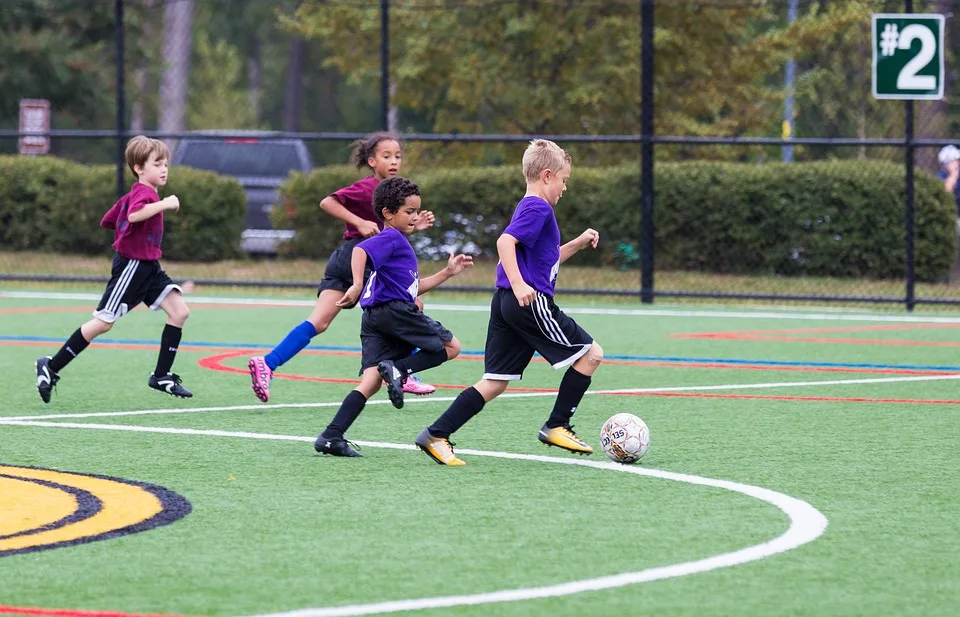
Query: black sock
x=169, y=342
x=572, y=388
x=348, y=412
x=70, y=350
x=420, y=361
x=467, y=404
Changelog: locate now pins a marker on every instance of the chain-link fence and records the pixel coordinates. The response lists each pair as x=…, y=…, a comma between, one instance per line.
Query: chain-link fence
x=748, y=103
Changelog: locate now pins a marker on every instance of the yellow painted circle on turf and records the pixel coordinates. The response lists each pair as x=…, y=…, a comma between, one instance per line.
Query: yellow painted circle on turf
x=43, y=508
x=25, y=506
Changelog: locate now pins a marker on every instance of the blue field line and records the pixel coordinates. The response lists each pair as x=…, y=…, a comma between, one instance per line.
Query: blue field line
x=474, y=352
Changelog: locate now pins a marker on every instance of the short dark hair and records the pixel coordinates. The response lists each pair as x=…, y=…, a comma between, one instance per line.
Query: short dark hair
x=364, y=148
x=391, y=194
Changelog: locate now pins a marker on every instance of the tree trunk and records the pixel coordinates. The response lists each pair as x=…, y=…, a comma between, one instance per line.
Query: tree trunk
x=255, y=79
x=294, y=93
x=393, y=112
x=177, y=27
x=141, y=77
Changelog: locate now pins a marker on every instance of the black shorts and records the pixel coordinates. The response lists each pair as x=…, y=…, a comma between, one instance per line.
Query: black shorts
x=133, y=281
x=515, y=332
x=338, y=274
x=393, y=330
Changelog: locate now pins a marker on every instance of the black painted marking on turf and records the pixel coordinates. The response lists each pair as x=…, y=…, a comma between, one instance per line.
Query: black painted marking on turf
x=173, y=508
x=88, y=505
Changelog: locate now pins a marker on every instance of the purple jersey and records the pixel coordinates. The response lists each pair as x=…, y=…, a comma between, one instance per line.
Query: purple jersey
x=394, y=263
x=135, y=240
x=358, y=199
x=534, y=225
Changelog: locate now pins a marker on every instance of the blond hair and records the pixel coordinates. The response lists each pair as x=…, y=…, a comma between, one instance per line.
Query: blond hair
x=543, y=154
x=140, y=148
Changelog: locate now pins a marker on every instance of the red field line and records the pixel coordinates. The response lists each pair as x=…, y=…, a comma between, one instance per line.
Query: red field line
x=66, y=612
x=777, y=335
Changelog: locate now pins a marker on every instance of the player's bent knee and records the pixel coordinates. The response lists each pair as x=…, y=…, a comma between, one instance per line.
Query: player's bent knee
x=453, y=348
x=595, y=354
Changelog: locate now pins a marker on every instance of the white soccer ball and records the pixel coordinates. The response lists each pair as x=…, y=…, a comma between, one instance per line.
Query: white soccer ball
x=625, y=438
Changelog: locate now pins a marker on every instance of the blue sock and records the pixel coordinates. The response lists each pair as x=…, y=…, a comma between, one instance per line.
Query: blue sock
x=291, y=345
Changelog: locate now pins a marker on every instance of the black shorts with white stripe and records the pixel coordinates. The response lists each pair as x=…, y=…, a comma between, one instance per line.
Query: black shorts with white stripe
x=515, y=332
x=133, y=281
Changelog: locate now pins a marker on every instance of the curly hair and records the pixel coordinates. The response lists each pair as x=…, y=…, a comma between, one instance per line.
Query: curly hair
x=391, y=194
x=364, y=148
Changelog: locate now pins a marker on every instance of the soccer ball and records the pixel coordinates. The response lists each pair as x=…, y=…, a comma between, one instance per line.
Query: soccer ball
x=625, y=438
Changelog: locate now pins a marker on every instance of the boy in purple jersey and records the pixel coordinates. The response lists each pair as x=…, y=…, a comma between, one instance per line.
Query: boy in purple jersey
x=392, y=325
x=137, y=224
x=383, y=154
x=523, y=316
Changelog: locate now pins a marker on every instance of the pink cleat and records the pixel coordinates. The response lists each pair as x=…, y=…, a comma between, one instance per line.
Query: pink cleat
x=414, y=386
x=261, y=375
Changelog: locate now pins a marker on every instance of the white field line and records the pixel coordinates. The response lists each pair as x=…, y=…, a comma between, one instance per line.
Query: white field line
x=824, y=314
x=806, y=525
x=447, y=399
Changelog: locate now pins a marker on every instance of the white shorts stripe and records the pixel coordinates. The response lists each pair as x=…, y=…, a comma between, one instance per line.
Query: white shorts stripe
x=120, y=289
x=550, y=325
x=542, y=323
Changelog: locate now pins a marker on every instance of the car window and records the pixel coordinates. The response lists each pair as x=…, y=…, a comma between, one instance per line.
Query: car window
x=242, y=159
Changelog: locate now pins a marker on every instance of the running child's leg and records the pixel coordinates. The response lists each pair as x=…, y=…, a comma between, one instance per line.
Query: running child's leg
x=261, y=367
x=162, y=378
x=332, y=440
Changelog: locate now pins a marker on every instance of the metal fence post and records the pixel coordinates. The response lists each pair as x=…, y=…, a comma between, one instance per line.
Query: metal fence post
x=910, y=298
x=118, y=29
x=646, y=151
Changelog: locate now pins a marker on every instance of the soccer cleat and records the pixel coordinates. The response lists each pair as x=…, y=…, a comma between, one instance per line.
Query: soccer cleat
x=438, y=448
x=336, y=446
x=414, y=386
x=391, y=374
x=46, y=378
x=170, y=384
x=564, y=437
x=261, y=375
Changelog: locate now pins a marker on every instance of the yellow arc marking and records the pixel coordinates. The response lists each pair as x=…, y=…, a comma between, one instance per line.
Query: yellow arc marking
x=27, y=506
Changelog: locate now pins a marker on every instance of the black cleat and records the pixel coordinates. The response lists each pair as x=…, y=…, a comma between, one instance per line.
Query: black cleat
x=391, y=374
x=46, y=378
x=335, y=446
x=170, y=384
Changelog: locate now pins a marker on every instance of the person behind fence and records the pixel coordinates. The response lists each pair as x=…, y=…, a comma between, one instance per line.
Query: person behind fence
x=949, y=158
x=523, y=315
x=137, y=223
x=382, y=153
x=392, y=325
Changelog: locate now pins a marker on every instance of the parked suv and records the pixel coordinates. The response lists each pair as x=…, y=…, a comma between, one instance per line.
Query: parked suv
x=261, y=165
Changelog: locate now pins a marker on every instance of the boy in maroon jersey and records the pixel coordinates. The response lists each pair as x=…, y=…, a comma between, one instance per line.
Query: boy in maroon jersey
x=381, y=153
x=137, y=221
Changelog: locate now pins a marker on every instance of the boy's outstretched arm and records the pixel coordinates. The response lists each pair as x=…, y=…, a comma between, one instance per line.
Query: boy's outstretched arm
x=507, y=251
x=332, y=206
x=149, y=210
x=455, y=265
x=588, y=238
x=358, y=262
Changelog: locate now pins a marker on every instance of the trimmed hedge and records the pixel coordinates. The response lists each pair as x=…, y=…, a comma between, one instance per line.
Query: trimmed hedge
x=837, y=218
x=55, y=205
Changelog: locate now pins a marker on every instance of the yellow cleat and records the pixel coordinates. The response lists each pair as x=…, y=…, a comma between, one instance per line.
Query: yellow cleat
x=438, y=448
x=564, y=437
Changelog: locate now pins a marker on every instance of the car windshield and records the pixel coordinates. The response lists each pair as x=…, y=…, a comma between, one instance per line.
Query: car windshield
x=242, y=158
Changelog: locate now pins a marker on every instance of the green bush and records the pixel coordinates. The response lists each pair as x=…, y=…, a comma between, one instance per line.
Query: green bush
x=55, y=205
x=840, y=218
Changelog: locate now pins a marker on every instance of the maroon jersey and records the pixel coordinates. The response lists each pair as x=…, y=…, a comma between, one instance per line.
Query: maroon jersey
x=136, y=240
x=358, y=199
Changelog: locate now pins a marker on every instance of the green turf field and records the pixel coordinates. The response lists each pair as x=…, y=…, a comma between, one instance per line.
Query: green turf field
x=767, y=424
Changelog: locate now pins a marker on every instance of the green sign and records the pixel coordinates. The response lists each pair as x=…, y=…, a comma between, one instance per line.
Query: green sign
x=907, y=56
